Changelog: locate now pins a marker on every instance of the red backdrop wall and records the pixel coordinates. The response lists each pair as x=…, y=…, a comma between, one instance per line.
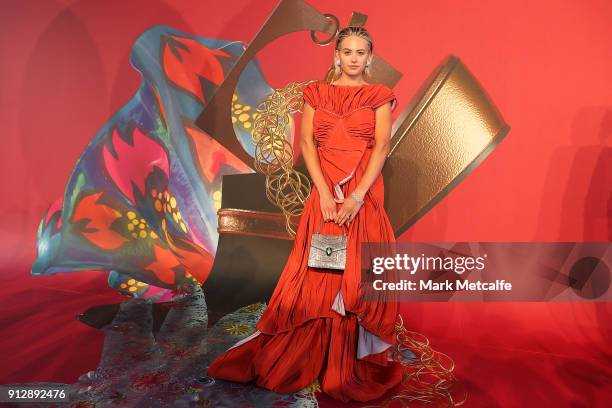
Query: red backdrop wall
x=547, y=65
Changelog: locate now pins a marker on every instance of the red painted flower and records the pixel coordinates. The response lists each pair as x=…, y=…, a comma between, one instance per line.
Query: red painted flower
x=98, y=220
x=133, y=163
x=186, y=62
x=162, y=267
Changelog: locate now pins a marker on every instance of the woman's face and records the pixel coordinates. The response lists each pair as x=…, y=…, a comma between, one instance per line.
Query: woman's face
x=353, y=55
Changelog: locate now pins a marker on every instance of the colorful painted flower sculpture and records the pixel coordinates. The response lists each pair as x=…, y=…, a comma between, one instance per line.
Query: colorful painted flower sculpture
x=141, y=202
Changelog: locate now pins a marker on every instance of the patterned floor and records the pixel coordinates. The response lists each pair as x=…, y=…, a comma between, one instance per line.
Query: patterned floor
x=140, y=369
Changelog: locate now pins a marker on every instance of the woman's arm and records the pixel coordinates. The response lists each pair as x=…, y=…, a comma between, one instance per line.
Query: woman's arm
x=309, y=151
x=375, y=164
x=327, y=201
x=380, y=150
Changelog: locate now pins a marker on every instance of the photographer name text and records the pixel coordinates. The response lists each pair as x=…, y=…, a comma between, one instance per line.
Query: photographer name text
x=445, y=286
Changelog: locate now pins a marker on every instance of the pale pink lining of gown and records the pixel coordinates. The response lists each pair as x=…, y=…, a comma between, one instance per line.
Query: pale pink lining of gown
x=368, y=343
x=338, y=190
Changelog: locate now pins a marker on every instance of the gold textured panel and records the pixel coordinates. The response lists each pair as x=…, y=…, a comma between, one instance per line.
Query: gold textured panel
x=449, y=127
x=250, y=222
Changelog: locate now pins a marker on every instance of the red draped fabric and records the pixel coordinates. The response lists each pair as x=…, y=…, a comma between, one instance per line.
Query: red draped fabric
x=316, y=324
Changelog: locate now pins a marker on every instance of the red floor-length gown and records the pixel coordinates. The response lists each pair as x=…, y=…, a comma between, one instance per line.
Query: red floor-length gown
x=315, y=325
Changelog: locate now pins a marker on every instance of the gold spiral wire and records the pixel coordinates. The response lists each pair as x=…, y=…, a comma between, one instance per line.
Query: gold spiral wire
x=286, y=188
x=428, y=378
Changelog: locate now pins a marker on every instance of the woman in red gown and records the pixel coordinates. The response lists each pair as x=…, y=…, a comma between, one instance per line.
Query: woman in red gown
x=316, y=325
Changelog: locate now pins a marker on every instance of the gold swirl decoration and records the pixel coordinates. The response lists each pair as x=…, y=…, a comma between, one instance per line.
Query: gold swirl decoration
x=427, y=378
x=286, y=188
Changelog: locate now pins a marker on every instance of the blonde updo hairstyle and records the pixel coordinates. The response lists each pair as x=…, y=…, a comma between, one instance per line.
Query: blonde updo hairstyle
x=335, y=70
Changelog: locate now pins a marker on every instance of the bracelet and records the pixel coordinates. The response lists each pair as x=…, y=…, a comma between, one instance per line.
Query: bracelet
x=357, y=198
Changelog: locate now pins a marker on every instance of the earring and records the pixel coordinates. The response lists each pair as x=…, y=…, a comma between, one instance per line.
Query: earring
x=337, y=69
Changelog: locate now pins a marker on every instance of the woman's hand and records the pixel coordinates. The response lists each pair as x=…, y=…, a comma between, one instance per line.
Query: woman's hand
x=328, y=206
x=348, y=211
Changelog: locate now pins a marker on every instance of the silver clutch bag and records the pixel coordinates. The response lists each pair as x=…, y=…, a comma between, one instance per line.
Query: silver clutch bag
x=327, y=251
